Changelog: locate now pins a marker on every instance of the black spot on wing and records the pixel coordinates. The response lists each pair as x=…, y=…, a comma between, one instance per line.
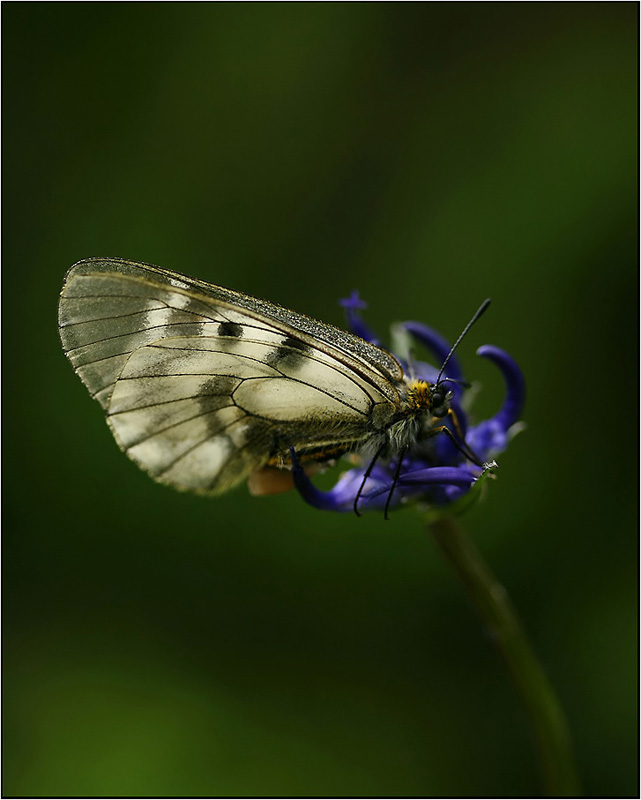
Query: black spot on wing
x=232, y=329
x=219, y=385
x=296, y=344
x=216, y=394
x=289, y=354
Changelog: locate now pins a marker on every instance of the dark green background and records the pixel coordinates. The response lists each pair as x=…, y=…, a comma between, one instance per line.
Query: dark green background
x=430, y=155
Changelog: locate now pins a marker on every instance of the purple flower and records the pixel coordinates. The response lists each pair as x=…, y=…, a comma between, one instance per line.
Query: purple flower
x=438, y=474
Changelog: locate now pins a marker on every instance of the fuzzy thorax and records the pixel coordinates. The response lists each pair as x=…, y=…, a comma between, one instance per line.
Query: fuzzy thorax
x=406, y=429
x=419, y=396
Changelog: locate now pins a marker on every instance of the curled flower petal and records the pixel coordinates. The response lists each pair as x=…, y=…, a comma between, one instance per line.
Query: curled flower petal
x=454, y=476
x=326, y=501
x=341, y=497
x=439, y=346
x=514, y=385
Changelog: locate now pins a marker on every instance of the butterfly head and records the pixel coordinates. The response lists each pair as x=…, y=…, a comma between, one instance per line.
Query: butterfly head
x=428, y=397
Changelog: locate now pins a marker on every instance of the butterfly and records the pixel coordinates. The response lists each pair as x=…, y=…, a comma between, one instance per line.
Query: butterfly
x=203, y=386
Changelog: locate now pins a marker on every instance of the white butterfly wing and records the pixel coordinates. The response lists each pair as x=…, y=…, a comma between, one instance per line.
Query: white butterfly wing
x=202, y=385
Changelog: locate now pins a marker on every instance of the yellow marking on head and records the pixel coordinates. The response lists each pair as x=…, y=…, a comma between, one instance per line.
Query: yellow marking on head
x=418, y=395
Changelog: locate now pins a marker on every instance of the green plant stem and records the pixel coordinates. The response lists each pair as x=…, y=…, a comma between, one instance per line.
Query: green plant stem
x=496, y=610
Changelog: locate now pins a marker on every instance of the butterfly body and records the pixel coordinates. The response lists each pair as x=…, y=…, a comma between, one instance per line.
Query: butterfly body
x=202, y=385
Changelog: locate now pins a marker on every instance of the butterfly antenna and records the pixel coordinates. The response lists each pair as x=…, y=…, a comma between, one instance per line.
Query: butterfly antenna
x=481, y=310
x=458, y=382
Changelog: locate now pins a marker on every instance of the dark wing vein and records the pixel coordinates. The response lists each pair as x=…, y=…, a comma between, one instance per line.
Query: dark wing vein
x=173, y=400
x=182, y=421
x=117, y=316
x=193, y=447
x=343, y=373
x=130, y=334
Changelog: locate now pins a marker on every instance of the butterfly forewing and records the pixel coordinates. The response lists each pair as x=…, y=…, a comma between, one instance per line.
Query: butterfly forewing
x=202, y=385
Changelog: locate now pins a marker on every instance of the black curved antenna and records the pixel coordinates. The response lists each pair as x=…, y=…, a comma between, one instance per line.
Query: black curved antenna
x=481, y=310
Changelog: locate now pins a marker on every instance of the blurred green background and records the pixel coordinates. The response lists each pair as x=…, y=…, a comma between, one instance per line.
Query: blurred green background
x=429, y=155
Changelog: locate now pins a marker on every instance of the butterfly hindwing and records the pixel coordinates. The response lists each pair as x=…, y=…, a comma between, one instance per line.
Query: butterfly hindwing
x=202, y=385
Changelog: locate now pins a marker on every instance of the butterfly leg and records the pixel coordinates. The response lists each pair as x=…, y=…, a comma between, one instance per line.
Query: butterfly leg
x=457, y=425
x=397, y=473
x=460, y=446
x=368, y=472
